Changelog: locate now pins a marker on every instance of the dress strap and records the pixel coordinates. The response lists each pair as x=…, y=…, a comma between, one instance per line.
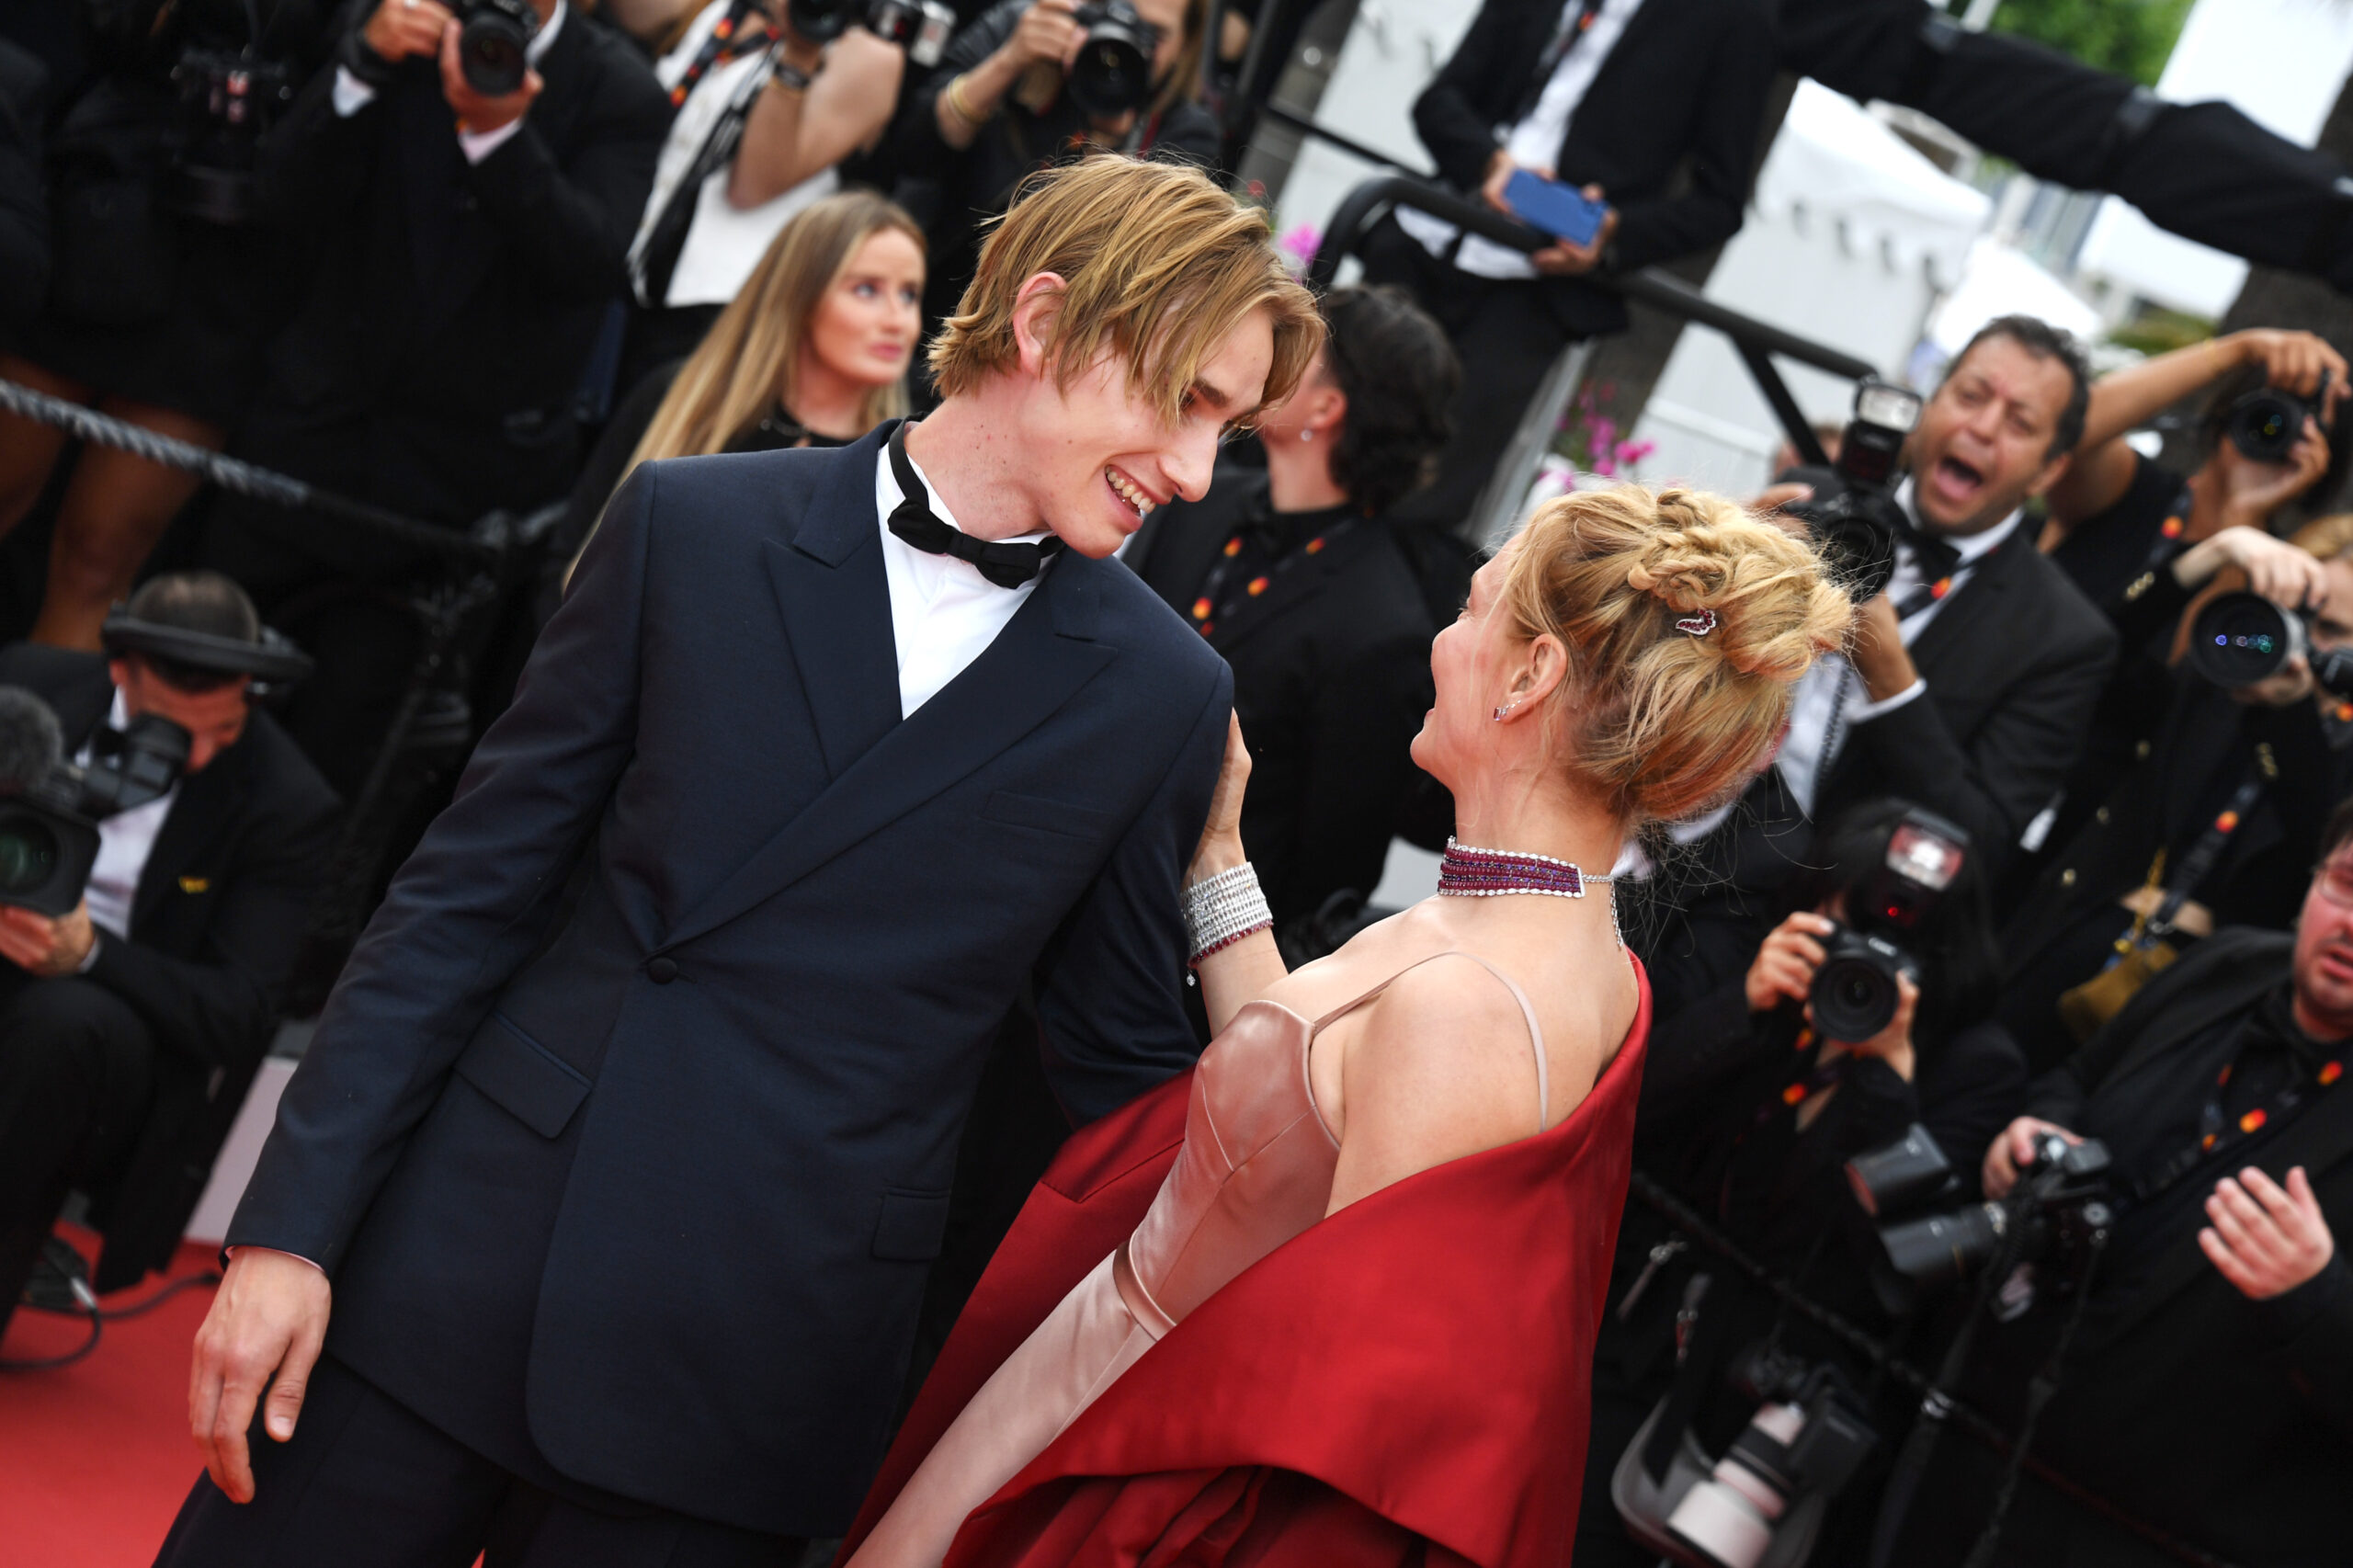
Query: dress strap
x=1527, y=1011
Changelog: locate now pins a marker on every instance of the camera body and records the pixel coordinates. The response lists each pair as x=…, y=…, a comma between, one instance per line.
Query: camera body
x=229, y=99
x=1854, y=993
x=1113, y=75
x=2058, y=1208
x=2266, y=423
x=1807, y=1437
x=1852, y=514
x=50, y=808
x=922, y=28
x=2242, y=637
x=493, y=36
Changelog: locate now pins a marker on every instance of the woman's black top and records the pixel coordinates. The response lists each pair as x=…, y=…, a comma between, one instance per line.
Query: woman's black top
x=1331, y=672
x=631, y=418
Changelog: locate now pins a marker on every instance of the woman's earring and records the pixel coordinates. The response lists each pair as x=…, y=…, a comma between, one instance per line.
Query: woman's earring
x=1307, y=434
x=1503, y=711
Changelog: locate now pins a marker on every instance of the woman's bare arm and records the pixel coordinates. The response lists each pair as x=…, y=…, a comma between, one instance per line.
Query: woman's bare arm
x=1244, y=970
x=790, y=135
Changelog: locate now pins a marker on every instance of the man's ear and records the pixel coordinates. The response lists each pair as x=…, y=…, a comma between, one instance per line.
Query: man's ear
x=120, y=670
x=2053, y=471
x=1035, y=306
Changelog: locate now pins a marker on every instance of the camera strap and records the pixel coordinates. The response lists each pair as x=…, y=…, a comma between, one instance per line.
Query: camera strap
x=2199, y=863
x=2216, y=1136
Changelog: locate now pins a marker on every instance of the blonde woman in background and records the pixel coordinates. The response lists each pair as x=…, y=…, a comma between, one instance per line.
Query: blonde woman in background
x=812, y=352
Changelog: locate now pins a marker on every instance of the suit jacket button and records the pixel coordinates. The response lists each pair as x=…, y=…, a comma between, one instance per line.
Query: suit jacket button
x=662, y=970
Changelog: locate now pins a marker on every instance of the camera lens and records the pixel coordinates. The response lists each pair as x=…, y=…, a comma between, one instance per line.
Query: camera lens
x=490, y=52
x=819, y=21
x=1113, y=72
x=2240, y=638
x=2265, y=423
x=1854, y=991
x=29, y=853
x=1940, y=1249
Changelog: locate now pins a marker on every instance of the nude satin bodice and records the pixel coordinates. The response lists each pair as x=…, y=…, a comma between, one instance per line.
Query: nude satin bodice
x=1256, y=1170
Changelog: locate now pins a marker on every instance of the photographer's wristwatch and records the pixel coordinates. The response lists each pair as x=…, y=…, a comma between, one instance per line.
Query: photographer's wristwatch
x=355, y=56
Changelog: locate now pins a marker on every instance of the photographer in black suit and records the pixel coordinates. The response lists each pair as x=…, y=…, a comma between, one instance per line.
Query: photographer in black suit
x=2217, y=1343
x=1973, y=675
x=130, y=1027
x=1650, y=106
x=468, y=246
x=1297, y=577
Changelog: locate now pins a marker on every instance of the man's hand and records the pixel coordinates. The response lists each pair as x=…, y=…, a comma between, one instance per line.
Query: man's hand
x=2253, y=491
x=2012, y=1151
x=477, y=114
x=1878, y=653
x=2266, y=1240
x=1045, y=33
x=45, y=947
x=2293, y=361
x=267, y=1321
x=1783, y=968
x=400, y=28
x=2276, y=569
x=1564, y=259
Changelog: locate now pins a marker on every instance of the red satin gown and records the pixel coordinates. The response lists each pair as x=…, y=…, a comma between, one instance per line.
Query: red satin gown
x=1243, y=1381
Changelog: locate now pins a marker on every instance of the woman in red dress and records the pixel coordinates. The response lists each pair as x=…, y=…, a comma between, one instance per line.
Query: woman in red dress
x=1331, y=1298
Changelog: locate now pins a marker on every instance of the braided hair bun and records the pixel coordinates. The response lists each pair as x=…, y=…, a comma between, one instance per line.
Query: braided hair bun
x=1687, y=622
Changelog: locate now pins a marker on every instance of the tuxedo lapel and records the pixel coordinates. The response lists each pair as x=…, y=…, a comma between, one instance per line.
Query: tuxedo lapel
x=1983, y=593
x=836, y=603
x=1037, y=662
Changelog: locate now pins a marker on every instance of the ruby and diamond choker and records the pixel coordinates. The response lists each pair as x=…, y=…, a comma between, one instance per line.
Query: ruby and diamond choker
x=1468, y=873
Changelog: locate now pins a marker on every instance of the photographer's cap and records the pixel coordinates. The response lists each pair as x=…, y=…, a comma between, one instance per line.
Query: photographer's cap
x=203, y=623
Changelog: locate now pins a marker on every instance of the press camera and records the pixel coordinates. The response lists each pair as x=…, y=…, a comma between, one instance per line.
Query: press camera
x=2266, y=424
x=922, y=28
x=1854, y=994
x=2058, y=1208
x=50, y=808
x=1112, y=74
x=1852, y=514
x=2242, y=637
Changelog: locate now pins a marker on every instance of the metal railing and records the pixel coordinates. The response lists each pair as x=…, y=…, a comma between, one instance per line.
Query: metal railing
x=1758, y=343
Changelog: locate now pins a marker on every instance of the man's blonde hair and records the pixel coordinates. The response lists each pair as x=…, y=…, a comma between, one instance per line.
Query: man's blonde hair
x=1158, y=266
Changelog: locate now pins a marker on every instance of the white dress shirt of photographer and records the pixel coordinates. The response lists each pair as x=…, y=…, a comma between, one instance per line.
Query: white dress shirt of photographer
x=764, y=117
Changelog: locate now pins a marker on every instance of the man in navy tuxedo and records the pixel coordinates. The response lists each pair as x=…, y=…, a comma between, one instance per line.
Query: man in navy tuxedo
x=624, y=1143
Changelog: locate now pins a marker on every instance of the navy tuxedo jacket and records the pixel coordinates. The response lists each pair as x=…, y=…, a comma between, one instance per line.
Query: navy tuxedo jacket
x=628, y=1133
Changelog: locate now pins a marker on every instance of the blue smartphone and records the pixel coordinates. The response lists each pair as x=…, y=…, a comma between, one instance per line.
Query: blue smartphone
x=1561, y=210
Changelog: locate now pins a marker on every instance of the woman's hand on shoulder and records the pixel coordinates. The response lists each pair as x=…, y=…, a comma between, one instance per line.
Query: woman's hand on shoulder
x=1439, y=1067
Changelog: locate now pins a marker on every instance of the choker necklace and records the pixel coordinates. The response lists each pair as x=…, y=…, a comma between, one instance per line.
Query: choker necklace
x=1466, y=872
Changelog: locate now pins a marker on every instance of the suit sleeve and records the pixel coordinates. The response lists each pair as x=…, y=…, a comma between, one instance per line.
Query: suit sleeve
x=218, y=1009
x=2013, y=765
x=313, y=166
x=1110, y=994
x=467, y=909
x=1459, y=136
x=2313, y=1325
x=571, y=223
x=1706, y=209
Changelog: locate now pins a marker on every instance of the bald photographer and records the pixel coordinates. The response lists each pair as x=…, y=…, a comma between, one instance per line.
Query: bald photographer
x=159, y=840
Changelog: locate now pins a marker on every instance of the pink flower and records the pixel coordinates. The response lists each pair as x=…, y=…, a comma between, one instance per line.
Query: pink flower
x=1302, y=242
x=1631, y=452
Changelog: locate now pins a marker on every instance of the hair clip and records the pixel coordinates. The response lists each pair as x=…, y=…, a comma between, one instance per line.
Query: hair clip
x=1697, y=625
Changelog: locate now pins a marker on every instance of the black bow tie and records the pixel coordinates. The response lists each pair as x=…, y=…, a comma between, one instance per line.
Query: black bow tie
x=1008, y=565
x=1934, y=554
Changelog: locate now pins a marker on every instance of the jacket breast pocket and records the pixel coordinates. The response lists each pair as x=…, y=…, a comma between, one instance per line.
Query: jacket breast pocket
x=911, y=1225
x=1012, y=807
x=519, y=1074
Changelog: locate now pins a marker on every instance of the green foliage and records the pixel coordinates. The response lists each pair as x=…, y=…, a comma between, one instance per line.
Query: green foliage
x=2128, y=37
x=2160, y=330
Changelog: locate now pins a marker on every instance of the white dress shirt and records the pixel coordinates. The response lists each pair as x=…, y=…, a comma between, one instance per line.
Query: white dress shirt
x=1535, y=141
x=944, y=614
x=352, y=95
x=1831, y=701
x=125, y=840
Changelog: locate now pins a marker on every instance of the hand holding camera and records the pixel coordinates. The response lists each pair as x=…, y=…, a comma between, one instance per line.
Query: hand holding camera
x=2302, y=363
x=1047, y=34
x=44, y=945
x=400, y=30
x=479, y=112
x=2014, y=1151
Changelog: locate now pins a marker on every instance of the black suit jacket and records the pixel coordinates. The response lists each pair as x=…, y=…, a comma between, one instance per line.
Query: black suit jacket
x=24, y=207
x=431, y=364
x=1668, y=128
x=214, y=929
x=2014, y=661
x=1331, y=679
x=629, y=1133
x=2226, y=1421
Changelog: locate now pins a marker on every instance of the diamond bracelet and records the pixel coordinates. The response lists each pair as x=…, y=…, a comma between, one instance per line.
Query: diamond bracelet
x=1222, y=910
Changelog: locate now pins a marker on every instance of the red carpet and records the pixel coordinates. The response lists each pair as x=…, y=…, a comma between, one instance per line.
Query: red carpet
x=96, y=1457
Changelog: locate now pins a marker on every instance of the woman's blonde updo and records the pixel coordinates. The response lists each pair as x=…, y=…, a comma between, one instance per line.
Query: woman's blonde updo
x=1664, y=722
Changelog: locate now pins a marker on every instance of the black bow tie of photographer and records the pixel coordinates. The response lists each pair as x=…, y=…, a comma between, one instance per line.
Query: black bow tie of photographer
x=1008, y=564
